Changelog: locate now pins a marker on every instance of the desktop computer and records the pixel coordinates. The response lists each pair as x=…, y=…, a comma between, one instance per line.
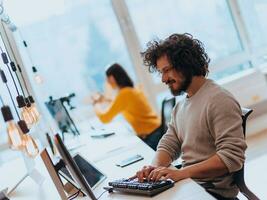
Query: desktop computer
x=80, y=180
x=61, y=115
x=73, y=168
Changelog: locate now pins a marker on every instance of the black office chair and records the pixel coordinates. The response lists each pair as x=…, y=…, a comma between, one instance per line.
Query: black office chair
x=239, y=175
x=166, y=110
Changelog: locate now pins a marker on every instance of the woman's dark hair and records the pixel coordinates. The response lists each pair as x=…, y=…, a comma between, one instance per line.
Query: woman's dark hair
x=186, y=54
x=120, y=75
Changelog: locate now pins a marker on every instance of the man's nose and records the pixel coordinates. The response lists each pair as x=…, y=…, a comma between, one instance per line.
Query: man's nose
x=164, y=78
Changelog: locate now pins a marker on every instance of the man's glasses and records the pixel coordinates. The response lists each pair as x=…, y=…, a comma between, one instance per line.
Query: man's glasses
x=166, y=70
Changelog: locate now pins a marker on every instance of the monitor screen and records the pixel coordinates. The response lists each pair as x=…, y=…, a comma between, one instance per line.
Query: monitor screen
x=73, y=168
x=59, y=113
x=92, y=175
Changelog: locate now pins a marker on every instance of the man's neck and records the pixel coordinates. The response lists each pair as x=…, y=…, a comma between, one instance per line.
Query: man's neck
x=197, y=82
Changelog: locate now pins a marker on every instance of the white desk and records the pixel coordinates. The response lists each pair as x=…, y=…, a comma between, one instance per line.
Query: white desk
x=105, y=161
x=256, y=176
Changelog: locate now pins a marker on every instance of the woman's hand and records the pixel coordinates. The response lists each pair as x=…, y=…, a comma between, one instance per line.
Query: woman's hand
x=97, y=98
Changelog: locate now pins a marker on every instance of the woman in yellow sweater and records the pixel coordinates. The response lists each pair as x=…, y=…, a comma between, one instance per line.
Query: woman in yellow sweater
x=132, y=104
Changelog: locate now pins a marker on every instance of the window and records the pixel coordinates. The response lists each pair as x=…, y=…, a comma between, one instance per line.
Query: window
x=70, y=43
x=254, y=15
x=208, y=20
x=230, y=71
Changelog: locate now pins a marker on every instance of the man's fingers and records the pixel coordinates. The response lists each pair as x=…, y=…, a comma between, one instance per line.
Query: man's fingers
x=133, y=177
x=140, y=176
x=160, y=175
x=149, y=177
x=148, y=170
x=154, y=175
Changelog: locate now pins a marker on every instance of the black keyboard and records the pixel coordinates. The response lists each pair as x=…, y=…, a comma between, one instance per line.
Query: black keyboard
x=145, y=188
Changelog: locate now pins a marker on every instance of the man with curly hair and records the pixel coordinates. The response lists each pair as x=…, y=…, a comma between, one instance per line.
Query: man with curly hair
x=206, y=126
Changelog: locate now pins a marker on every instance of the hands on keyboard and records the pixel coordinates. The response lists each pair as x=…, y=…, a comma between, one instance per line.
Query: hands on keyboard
x=148, y=188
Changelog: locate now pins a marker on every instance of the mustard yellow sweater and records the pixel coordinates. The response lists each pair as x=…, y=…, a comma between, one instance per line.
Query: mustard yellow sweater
x=134, y=106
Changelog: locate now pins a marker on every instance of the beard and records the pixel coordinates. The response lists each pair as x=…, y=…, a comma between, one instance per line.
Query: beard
x=183, y=86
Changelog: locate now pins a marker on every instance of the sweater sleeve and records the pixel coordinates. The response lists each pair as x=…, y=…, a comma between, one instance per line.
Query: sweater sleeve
x=117, y=106
x=170, y=142
x=226, y=127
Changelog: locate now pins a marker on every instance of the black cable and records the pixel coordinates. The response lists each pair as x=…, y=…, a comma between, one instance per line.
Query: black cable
x=26, y=46
x=16, y=61
x=5, y=61
x=1, y=100
x=10, y=95
x=12, y=64
x=76, y=194
x=23, y=79
x=10, y=47
x=21, y=88
x=101, y=194
x=13, y=102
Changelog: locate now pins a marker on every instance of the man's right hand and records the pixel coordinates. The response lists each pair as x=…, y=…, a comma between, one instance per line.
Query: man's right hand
x=143, y=173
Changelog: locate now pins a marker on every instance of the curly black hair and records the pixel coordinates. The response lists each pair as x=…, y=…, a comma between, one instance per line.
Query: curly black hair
x=186, y=54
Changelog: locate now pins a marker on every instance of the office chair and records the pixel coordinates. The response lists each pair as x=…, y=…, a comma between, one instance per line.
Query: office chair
x=239, y=175
x=166, y=110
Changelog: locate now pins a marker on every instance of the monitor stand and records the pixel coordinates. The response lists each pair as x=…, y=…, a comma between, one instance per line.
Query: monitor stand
x=3, y=195
x=65, y=190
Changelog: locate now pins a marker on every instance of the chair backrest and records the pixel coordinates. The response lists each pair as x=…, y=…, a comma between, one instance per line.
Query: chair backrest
x=166, y=110
x=239, y=175
x=245, y=113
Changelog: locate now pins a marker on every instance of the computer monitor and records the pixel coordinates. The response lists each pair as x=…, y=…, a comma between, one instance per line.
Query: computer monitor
x=92, y=175
x=59, y=112
x=53, y=174
x=73, y=168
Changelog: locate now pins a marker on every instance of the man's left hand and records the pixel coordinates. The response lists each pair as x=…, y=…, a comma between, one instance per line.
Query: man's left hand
x=166, y=173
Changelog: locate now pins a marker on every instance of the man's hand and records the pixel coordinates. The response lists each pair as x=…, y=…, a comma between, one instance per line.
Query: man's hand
x=143, y=173
x=166, y=173
x=152, y=173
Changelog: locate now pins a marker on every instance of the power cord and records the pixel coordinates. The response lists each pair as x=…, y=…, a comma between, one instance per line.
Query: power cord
x=74, y=195
x=77, y=193
x=102, y=194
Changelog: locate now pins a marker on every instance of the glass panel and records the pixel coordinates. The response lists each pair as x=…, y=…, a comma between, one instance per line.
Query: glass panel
x=70, y=42
x=207, y=20
x=229, y=71
x=255, y=15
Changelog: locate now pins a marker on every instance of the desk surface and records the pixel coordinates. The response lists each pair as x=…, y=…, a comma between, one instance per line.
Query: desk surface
x=256, y=176
x=126, y=146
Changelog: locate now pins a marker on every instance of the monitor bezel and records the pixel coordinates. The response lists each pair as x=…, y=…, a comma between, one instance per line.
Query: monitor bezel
x=73, y=167
x=104, y=177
